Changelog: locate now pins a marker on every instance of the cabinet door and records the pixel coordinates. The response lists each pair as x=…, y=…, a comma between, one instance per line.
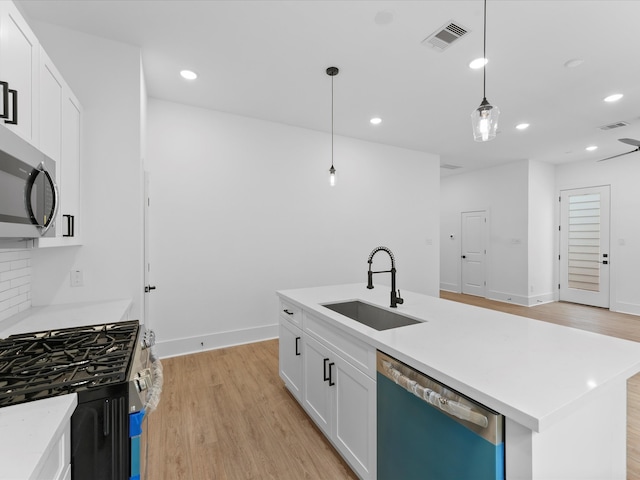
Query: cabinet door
x=318, y=394
x=290, y=344
x=51, y=94
x=19, y=66
x=68, y=222
x=71, y=225
x=355, y=417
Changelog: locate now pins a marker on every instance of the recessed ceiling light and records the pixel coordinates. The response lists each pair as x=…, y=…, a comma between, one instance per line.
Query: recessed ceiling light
x=376, y=121
x=188, y=74
x=613, y=98
x=573, y=63
x=478, y=63
x=591, y=148
x=522, y=126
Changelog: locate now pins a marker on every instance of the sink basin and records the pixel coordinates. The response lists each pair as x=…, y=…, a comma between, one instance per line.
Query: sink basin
x=374, y=317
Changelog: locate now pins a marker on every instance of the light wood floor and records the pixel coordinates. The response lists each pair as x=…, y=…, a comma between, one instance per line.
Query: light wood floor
x=225, y=414
x=214, y=423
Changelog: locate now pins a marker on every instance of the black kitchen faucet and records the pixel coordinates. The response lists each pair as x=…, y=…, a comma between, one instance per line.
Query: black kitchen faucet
x=395, y=298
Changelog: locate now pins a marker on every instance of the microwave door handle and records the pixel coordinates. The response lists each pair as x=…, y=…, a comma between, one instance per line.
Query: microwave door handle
x=5, y=99
x=56, y=204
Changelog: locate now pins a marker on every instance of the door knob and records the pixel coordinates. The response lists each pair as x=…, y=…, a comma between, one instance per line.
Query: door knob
x=464, y=256
x=148, y=288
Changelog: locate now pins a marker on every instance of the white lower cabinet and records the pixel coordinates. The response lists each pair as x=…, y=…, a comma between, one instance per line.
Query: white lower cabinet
x=337, y=395
x=57, y=465
x=290, y=363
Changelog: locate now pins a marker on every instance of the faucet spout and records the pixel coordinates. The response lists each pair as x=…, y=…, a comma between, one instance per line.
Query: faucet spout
x=395, y=298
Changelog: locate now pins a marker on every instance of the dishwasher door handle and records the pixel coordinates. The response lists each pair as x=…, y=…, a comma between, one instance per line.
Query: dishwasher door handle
x=432, y=398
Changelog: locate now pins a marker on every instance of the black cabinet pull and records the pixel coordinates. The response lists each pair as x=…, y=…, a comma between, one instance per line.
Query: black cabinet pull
x=105, y=424
x=14, y=120
x=297, y=346
x=5, y=100
x=327, y=377
x=331, y=382
x=71, y=226
x=287, y=312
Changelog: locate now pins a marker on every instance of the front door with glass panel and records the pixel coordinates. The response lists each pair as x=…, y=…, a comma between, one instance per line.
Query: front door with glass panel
x=584, y=246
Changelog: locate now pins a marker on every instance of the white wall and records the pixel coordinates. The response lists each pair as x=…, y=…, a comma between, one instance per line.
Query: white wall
x=503, y=192
x=105, y=76
x=242, y=207
x=542, y=233
x=623, y=174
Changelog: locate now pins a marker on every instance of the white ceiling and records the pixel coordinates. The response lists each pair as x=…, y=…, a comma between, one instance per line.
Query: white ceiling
x=267, y=59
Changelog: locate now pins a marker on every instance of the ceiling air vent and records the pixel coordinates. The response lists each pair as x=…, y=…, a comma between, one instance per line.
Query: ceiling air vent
x=442, y=38
x=449, y=167
x=613, y=125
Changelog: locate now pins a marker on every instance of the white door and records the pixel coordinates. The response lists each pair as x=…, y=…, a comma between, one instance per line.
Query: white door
x=473, y=255
x=584, y=246
x=148, y=288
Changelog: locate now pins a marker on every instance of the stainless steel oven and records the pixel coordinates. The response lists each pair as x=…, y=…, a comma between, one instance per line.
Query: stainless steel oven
x=111, y=369
x=28, y=192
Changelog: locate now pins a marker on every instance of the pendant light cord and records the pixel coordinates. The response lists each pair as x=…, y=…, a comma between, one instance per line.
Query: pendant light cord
x=332, y=121
x=484, y=54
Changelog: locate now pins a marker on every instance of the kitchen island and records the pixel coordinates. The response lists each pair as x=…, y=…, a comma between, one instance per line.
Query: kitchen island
x=562, y=390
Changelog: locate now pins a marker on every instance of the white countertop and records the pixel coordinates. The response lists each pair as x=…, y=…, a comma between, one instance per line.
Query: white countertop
x=50, y=317
x=535, y=373
x=29, y=432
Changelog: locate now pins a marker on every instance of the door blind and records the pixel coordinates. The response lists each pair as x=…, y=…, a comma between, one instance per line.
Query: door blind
x=584, y=242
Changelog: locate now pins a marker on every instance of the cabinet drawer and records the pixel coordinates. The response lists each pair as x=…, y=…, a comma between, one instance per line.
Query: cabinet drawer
x=291, y=313
x=356, y=352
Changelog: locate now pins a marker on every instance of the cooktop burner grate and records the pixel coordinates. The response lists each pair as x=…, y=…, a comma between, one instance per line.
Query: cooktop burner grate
x=55, y=362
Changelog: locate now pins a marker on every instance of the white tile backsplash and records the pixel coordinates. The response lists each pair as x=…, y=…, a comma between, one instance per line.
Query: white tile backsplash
x=15, y=281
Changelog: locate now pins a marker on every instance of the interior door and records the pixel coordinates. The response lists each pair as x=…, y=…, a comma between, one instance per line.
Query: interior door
x=148, y=288
x=584, y=245
x=474, y=251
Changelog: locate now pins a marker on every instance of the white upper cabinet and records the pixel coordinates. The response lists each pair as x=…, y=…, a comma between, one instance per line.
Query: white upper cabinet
x=49, y=116
x=19, y=50
x=50, y=112
x=60, y=135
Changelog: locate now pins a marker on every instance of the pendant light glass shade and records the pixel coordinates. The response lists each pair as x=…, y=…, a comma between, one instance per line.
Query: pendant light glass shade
x=484, y=121
x=332, y=176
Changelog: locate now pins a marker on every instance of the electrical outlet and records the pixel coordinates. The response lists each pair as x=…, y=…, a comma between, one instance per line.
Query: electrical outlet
x=76, y=278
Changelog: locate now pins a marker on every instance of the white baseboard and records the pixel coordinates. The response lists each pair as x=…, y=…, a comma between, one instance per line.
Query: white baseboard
x=540, y=299
x=530, y=301
x=631, y=308
x=508, y=298
x=450, y=287
x=213, y=341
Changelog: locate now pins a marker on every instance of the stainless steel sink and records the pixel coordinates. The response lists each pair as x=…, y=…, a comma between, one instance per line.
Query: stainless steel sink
x=374, y=317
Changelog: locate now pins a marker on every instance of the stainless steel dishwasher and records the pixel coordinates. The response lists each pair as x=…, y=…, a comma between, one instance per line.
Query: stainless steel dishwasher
x=428, y=431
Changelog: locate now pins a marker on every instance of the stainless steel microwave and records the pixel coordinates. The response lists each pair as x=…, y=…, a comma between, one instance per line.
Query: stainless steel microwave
x=28, y=191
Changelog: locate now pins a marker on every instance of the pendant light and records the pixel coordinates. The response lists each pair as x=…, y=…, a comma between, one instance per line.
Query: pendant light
x=332, y=72
x=484, y=119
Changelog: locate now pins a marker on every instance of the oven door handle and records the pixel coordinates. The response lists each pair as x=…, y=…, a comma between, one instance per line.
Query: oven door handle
x=107, y=421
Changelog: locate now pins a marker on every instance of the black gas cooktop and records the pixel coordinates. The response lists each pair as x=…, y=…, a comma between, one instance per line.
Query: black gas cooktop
x=55, y=362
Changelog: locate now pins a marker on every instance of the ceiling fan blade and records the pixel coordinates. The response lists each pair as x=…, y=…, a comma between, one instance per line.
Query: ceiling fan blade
x=630, y=141
x=620, y=155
